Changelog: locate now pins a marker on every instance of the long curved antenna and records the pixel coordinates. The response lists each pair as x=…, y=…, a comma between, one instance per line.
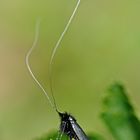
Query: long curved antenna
x=28, y=64
x=58, y=45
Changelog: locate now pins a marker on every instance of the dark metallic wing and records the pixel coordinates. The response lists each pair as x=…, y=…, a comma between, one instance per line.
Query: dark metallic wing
x=80, y=134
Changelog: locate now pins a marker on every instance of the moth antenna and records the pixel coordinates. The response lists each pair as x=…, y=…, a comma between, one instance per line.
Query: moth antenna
x=37, y=28
x=56, y=48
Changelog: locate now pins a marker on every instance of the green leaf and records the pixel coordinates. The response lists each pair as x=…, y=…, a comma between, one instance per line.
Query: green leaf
x=52, y=136
x=119, y=115
x=95, y=137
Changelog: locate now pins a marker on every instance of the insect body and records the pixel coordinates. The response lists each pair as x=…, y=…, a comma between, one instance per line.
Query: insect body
x=68, y=124
x=71, y=128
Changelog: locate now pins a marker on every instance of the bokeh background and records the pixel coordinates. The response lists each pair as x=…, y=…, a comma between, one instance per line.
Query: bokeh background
x=101, y=46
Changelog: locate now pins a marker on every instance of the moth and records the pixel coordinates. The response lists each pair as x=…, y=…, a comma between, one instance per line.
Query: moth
x=68, y=124
x=71, y=128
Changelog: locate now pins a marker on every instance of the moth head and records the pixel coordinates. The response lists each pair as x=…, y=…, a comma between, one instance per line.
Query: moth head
x=65, y=116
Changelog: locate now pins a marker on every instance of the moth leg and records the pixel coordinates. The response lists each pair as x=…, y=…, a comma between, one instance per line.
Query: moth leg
x=70, y=137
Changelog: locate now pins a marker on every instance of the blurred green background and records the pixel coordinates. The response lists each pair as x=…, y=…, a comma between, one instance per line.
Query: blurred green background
x=101, y=46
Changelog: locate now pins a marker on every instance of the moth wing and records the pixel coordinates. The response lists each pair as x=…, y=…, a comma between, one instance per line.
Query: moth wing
x=78, y=131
